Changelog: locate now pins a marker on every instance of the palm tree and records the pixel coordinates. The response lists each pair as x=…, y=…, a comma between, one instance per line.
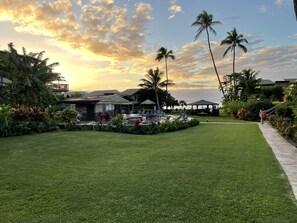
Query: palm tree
x=29, y=75
x=248, y=83
x=153, y=80
x=163, y=53
x=204, y=21
x=234, y=40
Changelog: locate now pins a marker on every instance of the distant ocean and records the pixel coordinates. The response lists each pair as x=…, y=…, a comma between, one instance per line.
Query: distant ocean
x=192, y=95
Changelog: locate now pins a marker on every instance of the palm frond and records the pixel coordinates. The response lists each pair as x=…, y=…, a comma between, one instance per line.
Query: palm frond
x=227, y=51
x=199, y=31
x=242, y=47
x=212, y=30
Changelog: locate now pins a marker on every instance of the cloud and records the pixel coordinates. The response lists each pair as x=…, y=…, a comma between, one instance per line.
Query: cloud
x=194, y=85
x=101, y=27
x=192, y=68
x=280, y=3
x=293, y=36
x=262, y=8
x=174, y=9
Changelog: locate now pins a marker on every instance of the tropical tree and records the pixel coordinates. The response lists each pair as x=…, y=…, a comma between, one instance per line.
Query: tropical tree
x=153, y=80
x=232, y=88
x=29, y=75
x=182, y=103
x=248, y=83
x=164, y=54
x=204, y=22
x=234, y=40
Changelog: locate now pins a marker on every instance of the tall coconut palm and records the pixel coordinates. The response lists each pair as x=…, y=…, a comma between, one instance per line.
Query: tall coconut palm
x=234, y=40
x=164, y=54
x=204, y=22
x=153, y=80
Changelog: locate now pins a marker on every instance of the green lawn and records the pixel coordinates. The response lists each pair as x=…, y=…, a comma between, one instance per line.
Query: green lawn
x=209, y=173
x=219, y=119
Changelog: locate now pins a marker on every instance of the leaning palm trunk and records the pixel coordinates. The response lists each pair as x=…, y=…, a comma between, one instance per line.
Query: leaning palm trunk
x=214, y=65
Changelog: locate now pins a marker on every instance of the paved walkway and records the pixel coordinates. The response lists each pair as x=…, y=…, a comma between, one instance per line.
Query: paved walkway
x=230, y=123
x=285, y=153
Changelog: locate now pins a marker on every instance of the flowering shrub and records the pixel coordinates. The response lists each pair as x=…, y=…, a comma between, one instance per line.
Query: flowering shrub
x=103, y=117
x=242, y=114
x=284, y=126
x=22, y=120
x=246, y=110
x=117, y=125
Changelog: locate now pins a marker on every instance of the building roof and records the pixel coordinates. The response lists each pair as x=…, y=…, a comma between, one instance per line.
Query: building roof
x=290, y=79
x=148, y=102
x=101, y=93
x=130, y=92
x=203, y=102
x=104, y=99
x=265, y=82
x=113, y=99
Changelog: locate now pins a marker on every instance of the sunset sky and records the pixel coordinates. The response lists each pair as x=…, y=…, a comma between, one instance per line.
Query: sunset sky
x=110, y=44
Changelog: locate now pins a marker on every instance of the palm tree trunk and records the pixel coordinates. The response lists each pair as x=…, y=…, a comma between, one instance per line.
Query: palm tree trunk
x=214, y=65
x=166, y=69
x=157, y=100
x=167, y=81
x=233, y=60
x=234, y=71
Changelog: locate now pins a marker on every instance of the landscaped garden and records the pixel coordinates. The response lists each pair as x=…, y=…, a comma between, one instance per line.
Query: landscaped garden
x=208, y=173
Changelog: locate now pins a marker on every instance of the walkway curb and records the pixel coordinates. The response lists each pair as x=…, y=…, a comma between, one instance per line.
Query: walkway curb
x=285, y=153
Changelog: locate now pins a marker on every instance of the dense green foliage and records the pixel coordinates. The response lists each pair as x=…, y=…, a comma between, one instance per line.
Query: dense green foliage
x=274, y=93
x=241, y=86
x=246, y=110
x=285, y=126
x=118, y=124
x=69, y=115
x=153, y=81
x=163, y=96
x=29, y=77
x=285, y=118
x=230, y=175
x=22, y=120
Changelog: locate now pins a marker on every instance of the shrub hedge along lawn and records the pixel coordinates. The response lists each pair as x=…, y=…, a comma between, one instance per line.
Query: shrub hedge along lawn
x=208, y=173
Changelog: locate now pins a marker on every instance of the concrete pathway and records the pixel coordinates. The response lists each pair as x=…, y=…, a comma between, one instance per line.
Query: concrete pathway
x=230, y=123
x=285, y=153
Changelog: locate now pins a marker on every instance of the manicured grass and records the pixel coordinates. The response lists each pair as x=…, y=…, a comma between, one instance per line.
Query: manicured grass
x=219, y=119
x=209, y=173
